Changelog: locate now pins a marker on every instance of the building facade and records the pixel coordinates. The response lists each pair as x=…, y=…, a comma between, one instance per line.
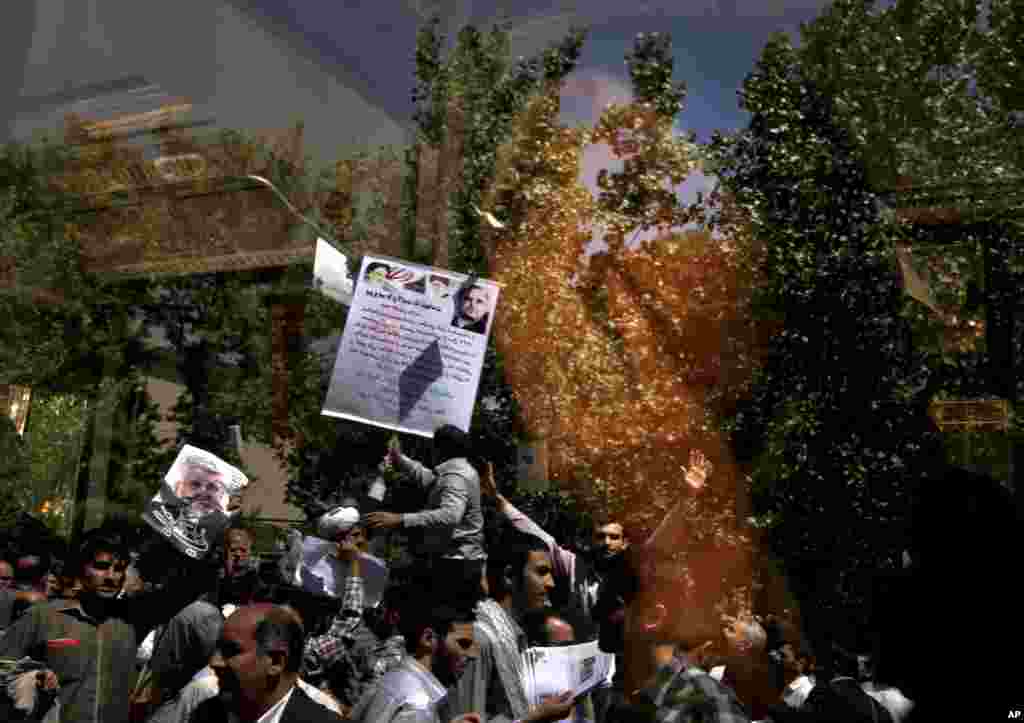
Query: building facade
x=113, y=75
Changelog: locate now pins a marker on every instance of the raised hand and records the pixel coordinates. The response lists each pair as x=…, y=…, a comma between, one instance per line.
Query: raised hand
x=488, y=487
x=699, y=471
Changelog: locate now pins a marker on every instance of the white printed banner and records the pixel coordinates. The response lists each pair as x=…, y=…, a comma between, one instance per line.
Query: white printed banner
x=413, y=347
x=551, y=671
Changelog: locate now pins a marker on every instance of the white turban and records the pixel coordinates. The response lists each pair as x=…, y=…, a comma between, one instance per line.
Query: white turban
x=337, y=522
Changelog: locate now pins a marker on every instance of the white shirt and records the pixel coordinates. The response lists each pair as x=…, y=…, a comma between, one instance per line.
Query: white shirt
x=892, y=699
x=274, y=714
x=797, y=691
x=145, y=652
x=318, y=696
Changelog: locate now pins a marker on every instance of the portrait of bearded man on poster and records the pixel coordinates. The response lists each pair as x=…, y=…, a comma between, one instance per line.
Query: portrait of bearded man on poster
x=192, y=506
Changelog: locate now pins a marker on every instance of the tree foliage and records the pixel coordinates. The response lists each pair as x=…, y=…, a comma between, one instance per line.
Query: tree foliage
x=929, y=89
x=471, y=99
x=13, y=472
x=624, y=363
x=835, y=427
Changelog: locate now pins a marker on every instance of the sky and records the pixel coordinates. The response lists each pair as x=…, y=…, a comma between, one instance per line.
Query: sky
x=715, y=42
x=715, y=45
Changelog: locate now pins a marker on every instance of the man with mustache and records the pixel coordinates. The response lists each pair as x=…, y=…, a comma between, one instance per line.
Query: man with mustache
x=439, y=642
x=663, y=610
x=256, y=663
x=237, y=551
x=519, y=581
x=89, y=643
x=579, y=575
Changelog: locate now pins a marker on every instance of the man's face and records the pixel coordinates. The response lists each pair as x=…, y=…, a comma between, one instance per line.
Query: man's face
x=474, y=306
x=455, y=650
x=538, y=581
x=608, y=541
x=103, y=577
x=243, y=672
x=6, y=575
x=204, y=488
x=238, y=548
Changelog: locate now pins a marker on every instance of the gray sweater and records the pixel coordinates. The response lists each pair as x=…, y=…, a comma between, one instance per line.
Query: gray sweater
x=452, y=525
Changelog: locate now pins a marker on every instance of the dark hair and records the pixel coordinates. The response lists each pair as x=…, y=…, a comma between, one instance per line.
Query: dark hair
x=382, y=618
x=98, y=541
x=282, y=626
x=451, y=443
x=30, y=542
x=802, y=649
x=838, y=661
x=374, y=266
x=622, y=581
x=158, y=560
x=512, y=551
x=243, y=529
x=603, y=519
x=421, y=609
x=33, y=572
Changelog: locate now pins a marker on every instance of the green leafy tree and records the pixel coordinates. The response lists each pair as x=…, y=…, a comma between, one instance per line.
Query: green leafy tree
x=480, y=86
x=14, y=472
x=835, y=427
x=54, y=439
x=929, y=89
x=65, y=329
x=930, y=92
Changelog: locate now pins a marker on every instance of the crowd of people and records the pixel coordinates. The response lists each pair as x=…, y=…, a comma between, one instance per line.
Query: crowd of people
x=110, y=634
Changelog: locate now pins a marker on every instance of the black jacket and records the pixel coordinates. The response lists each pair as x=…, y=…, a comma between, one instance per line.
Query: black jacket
x=300, y=709
x=843, y=701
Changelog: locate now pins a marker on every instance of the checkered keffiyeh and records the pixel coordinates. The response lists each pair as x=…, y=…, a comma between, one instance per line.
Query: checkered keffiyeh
x=683, y=693
x=323, y=650
x=507, y=643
